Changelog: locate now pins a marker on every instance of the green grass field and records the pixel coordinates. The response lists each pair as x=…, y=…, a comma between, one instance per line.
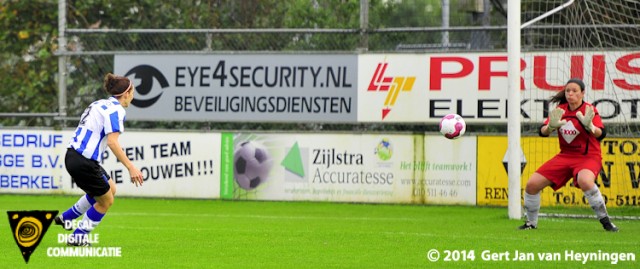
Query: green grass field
x=157, y=233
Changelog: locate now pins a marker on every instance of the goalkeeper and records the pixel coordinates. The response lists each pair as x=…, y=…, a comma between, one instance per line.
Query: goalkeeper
x=580, y=131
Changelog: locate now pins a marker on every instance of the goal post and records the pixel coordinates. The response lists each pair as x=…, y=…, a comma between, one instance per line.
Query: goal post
x=514, y=127
x=513, y=124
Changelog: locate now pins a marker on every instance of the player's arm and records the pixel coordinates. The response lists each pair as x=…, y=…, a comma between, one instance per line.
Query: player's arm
x=114, y=145
x=598, y=132
x=545, y=130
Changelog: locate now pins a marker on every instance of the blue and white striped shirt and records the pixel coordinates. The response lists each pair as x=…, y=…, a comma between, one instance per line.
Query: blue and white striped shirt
x=102, y=117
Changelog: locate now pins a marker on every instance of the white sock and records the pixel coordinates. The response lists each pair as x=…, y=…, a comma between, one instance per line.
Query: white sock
x=597, y=203
x=84, y=203
x=532, y=207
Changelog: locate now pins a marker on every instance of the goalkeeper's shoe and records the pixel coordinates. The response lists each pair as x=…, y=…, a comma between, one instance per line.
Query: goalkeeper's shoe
x=607, y=225
x=527, y=226
x=59, y=221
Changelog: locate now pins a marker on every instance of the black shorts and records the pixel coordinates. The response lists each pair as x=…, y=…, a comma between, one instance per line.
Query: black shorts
x=87, y=173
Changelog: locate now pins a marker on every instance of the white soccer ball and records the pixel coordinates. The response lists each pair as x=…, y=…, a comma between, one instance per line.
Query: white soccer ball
x=251, y=165
x=452, y=126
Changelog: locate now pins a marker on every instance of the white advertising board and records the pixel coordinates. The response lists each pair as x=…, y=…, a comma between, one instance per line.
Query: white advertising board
x=373, y=168
x=425, y=87
x=172, y=164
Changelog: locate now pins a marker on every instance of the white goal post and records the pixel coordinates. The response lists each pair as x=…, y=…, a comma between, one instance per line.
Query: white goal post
x=513, y=124
x=514, y=127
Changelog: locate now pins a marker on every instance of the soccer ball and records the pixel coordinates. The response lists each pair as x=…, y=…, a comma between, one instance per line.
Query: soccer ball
x=452, y=126
x=251, y=165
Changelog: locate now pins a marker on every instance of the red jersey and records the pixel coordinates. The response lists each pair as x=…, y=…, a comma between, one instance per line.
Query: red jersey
x=574, y=138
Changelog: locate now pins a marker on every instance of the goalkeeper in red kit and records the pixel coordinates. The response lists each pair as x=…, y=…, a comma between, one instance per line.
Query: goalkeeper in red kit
x=580, y=130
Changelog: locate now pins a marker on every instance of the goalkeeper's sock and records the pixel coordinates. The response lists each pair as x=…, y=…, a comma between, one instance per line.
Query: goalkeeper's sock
x=80, y=207
x=532, y=207
x=597, y=203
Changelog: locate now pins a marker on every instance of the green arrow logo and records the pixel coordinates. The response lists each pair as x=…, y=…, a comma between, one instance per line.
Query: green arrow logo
x=293, y=161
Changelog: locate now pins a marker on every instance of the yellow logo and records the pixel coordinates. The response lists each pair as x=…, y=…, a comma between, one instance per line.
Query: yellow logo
x=28, y=228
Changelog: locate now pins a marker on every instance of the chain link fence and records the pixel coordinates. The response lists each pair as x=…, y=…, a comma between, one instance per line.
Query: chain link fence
x=447, y=26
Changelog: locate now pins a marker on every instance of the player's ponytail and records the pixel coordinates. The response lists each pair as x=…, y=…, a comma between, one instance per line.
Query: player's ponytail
x=116, y=85
x=558, y=97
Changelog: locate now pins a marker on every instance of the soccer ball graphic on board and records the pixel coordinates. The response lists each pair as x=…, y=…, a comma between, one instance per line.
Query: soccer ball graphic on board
x=251, y=165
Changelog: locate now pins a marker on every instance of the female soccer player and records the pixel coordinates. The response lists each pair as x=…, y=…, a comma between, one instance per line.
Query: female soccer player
x=580, y=131
x=100, y=126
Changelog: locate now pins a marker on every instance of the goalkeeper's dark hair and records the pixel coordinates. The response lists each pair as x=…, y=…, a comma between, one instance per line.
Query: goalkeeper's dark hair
x=560, y=98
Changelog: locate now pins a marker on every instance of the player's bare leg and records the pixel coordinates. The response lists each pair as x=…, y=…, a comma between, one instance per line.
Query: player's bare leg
x=93, y=216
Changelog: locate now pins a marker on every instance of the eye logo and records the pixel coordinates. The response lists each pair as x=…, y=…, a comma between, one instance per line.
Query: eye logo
x=391, y=84
x=146, y=75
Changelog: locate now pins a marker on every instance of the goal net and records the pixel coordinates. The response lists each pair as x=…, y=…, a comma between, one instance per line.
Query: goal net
x=598, y=41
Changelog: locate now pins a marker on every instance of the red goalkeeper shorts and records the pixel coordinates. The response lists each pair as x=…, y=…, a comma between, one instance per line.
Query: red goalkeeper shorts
x=563, y=167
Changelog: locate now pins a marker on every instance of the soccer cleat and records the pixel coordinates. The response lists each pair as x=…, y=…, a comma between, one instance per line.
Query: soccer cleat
x=58, y=221
x=607, y=225
x=83, y=243
x=527, y=226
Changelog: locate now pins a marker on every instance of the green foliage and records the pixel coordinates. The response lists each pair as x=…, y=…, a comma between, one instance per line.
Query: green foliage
x=27, y=65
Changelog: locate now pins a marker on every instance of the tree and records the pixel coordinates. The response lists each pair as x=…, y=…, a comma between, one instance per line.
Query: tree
x=27, y=64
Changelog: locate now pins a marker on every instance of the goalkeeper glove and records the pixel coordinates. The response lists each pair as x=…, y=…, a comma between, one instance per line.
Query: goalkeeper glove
x=555, y=119
x=587, y=118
